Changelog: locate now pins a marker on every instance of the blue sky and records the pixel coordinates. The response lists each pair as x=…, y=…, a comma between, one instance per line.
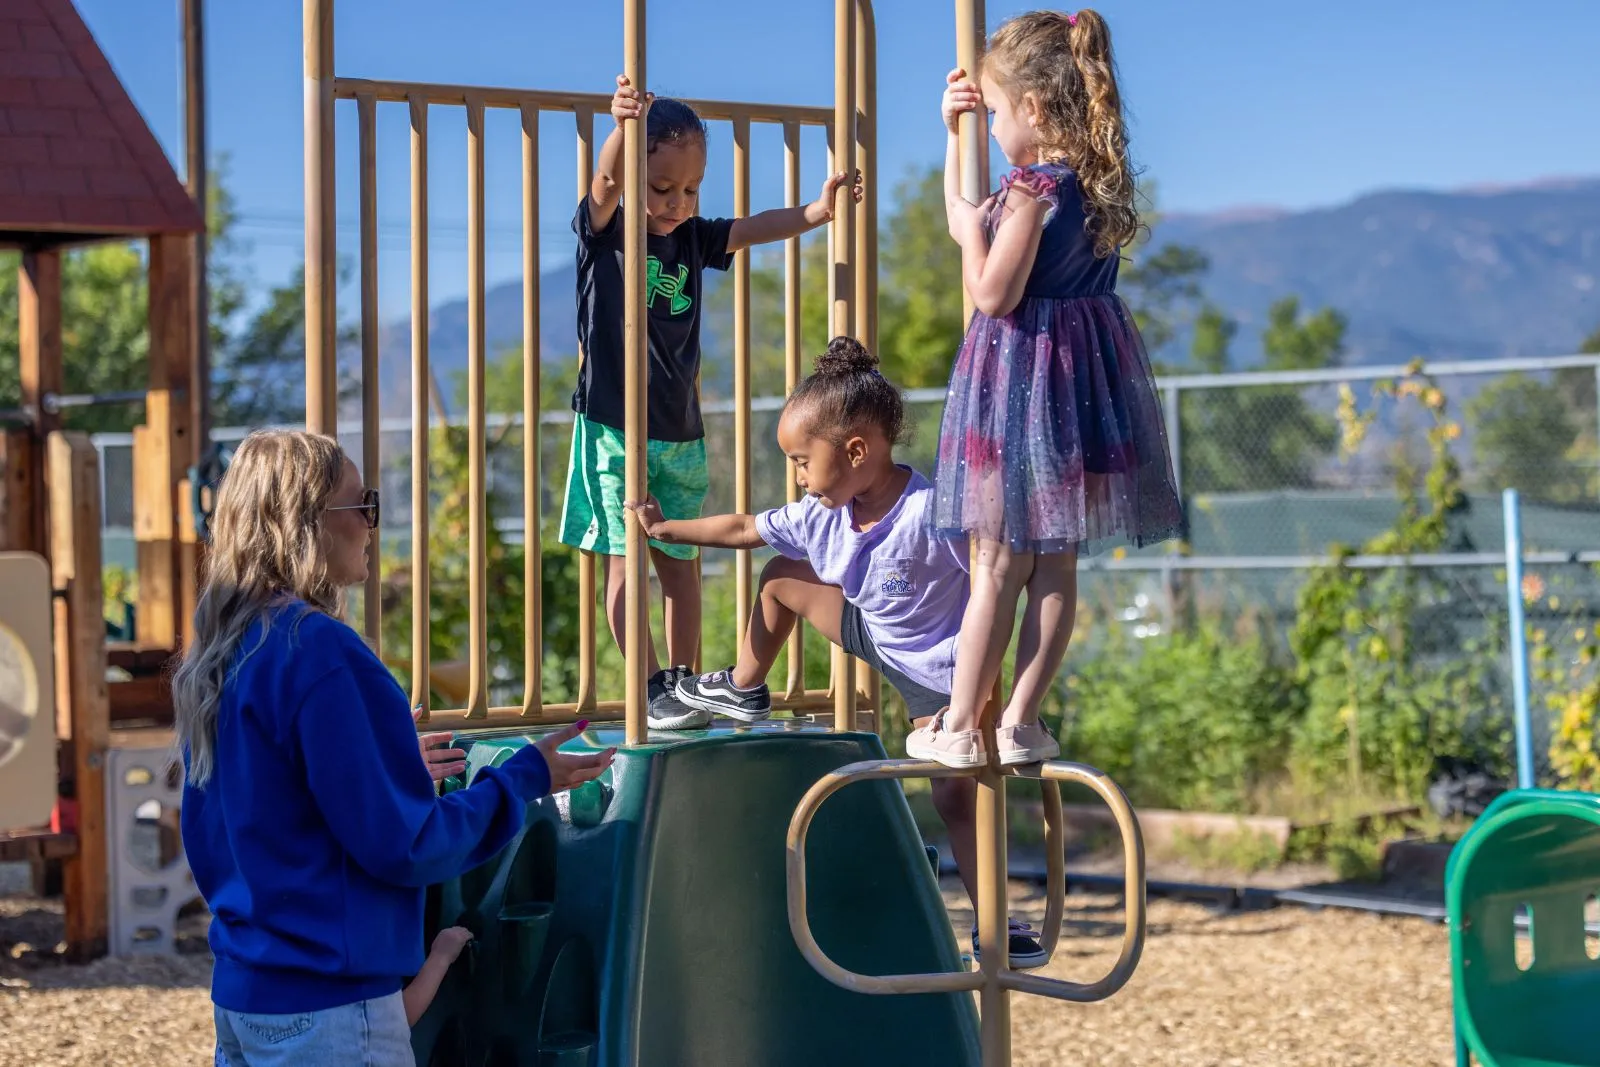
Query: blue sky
x=1233, y=102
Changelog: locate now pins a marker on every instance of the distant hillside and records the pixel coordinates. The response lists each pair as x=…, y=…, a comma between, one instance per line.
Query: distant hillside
x=1472, y=274
x=1469, y=275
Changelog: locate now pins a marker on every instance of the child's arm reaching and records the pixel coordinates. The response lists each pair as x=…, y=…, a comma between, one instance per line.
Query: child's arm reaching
x=782, y=223
x=713, y=531
x=425, y=986
x=995, y=275
x=605, y=191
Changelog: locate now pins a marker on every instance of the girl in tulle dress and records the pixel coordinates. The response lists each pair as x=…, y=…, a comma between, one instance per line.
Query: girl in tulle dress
x=1052, y=440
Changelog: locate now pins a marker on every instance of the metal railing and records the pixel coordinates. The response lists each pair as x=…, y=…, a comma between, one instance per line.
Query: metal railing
x=852, y=291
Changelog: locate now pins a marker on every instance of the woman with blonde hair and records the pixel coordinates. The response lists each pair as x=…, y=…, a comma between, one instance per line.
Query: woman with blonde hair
x=309, y=817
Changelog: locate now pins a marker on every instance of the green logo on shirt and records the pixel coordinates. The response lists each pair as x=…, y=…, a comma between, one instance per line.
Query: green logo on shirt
x=659, y=283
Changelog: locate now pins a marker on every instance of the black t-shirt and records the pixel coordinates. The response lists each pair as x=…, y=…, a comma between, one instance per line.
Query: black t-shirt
x=673, y=293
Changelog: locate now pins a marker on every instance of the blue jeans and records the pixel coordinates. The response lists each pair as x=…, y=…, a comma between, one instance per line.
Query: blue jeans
x=368, y=1033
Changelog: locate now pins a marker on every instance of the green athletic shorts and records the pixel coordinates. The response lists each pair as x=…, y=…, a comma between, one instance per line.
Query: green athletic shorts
x=592, y=515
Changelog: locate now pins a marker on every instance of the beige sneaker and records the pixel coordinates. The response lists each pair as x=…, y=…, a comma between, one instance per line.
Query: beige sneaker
x=1028, y=743
x=953, y=748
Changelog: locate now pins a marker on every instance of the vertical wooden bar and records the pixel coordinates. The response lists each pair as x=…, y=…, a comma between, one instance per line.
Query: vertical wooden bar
x=322, y=267
x=870, y=683
x=842, y=242
x=371, y=459
x=20, y=506
x=994, y=1001
x=587, y=564
x=636, y=349
x=477, y=518
x=421, y=385
x=532, y=482
x=162, y=453
x=83, y=707
x=791, y=366
x=743, y=579
x=39, y=351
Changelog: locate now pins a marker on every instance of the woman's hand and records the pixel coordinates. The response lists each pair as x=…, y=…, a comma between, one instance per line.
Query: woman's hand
x=626, y=102
x=649, y=515
x=960, y=96
x=441, y=762
x=569, y=769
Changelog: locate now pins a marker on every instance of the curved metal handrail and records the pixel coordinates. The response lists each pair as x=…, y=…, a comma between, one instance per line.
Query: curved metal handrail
x=1050, y=773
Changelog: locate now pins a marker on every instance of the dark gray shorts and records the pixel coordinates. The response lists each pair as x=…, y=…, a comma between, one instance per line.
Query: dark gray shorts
x=921, y=701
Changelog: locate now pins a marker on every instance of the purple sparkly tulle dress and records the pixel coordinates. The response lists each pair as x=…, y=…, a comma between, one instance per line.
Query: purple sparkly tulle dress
x=1053, y=439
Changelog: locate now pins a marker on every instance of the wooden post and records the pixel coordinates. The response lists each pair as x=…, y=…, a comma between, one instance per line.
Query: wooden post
x=83, y=708
x=19, y=491
x=163, y=449
x=39, y=348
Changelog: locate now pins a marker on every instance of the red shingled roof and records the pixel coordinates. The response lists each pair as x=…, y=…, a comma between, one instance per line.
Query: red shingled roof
x=76, y=158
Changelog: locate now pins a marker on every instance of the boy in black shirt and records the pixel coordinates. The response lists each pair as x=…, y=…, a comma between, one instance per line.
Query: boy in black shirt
x=681, y=245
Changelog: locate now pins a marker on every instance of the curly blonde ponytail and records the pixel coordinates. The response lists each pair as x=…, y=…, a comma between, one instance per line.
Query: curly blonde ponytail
x=1066, y=62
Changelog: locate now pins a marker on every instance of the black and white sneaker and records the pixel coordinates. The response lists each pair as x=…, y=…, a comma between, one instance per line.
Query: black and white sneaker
x=1024, y=948
x=716, y=693
x=666, y=711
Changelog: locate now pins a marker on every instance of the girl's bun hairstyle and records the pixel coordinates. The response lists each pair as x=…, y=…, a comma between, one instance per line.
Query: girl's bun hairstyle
x=845, y=394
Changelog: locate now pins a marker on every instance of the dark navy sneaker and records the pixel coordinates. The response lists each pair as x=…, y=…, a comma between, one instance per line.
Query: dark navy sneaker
x=715, y=693
x=666, y=711
x=1024, y=948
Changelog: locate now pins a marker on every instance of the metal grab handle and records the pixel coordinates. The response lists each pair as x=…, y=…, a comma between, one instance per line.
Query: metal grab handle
x=960, y=981
x=1133, y=928
x=800, y=926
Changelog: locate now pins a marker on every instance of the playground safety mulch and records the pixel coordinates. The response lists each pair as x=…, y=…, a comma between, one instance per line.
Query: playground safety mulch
x=1269, y=988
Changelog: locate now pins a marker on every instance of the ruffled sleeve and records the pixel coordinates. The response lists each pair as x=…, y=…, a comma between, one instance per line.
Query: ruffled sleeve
x=1045, y=178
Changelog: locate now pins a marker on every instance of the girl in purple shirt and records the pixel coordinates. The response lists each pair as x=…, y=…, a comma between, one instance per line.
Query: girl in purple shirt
x=858, y=560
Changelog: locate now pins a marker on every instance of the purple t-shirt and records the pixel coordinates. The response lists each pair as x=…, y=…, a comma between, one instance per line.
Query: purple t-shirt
x=910, y=586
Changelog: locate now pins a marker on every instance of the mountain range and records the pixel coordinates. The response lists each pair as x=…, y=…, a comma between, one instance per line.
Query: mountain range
x=1468, y=274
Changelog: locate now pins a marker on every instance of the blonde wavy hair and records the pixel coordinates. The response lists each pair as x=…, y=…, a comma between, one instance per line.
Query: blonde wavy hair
x=266, y=546
x=1065, y=61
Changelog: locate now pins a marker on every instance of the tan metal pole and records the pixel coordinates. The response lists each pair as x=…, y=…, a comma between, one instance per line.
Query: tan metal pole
x=322, y=280
x=843, y=289
x=636, y=377
x=532, y=480
x=587, y=564
x=477, y=518
x=994, y=1001
x=421, y=389
x=744, y=585
x=869, y=682
x=796, y=684
x=371, y=460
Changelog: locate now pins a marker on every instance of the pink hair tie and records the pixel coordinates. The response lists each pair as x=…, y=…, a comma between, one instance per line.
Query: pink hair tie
x=1072, y=20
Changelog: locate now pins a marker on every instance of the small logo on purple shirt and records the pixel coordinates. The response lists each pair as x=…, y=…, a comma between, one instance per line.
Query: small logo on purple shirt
x=896, y=585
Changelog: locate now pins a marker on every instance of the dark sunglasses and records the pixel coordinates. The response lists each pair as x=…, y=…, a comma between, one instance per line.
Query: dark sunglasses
x=369, y=504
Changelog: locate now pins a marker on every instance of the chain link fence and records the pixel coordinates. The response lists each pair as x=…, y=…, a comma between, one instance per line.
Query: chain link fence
x=1279, y=472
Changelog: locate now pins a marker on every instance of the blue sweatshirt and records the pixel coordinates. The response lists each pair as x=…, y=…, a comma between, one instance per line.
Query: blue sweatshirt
x=319, y=828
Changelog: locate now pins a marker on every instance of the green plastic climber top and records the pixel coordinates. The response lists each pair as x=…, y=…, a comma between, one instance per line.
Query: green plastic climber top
x=640, y=920
x=1534, y=853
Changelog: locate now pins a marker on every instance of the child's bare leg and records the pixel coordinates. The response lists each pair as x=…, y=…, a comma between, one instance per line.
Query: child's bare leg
x=998, y=577
x=617, y=609
x=1045, y=634
x=680, y=589
x=956, y=801
x=425, y=986
x=789, y=590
